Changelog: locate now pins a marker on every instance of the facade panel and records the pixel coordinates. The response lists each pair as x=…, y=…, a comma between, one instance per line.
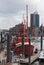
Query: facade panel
x=34, y=20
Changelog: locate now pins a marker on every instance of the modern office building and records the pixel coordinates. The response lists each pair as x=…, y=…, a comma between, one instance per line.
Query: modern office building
x=34, y=19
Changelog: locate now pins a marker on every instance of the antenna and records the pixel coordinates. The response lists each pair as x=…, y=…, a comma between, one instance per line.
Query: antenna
x=27, y=12
x=23, y=19
x=27, y=2
x=24, y=23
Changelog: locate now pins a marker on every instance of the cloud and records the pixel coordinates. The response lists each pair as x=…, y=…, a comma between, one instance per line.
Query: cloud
x=34, y=2
x=10, y=20
x=11, y=11
x=11, y=6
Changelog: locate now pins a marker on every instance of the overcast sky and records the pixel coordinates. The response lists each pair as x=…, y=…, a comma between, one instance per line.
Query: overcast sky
x=11, y=11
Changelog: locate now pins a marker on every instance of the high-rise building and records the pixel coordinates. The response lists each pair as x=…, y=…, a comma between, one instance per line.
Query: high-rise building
x=34, y=19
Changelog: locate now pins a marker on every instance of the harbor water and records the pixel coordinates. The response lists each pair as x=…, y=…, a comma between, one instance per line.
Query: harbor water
x=37, y=43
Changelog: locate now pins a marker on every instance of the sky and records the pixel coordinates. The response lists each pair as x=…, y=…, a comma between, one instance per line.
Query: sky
x=11, y=12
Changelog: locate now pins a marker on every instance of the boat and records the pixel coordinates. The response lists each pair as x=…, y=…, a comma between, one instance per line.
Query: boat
x=16, y=45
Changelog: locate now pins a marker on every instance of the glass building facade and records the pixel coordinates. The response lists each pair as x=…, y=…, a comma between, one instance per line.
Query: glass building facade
x=34, y=20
